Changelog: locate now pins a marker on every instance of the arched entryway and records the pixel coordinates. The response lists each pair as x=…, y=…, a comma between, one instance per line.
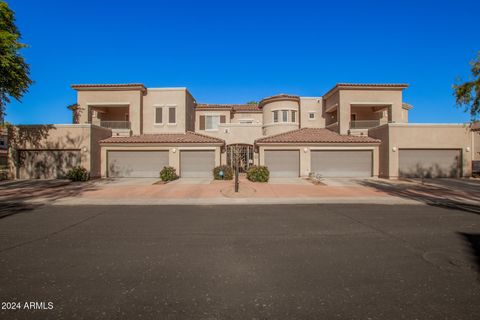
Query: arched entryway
x=245, y=154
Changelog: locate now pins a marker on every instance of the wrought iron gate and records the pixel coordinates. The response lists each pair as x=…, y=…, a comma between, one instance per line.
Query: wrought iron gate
x=243, y=152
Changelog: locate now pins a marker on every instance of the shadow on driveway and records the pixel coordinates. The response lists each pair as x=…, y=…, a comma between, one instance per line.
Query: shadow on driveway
x=452, y=195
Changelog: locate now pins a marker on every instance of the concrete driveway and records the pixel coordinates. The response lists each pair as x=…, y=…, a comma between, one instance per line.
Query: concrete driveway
x=242, y=262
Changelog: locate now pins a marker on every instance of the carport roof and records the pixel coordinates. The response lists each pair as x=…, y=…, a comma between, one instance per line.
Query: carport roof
x=172, y=138
x=314, y=135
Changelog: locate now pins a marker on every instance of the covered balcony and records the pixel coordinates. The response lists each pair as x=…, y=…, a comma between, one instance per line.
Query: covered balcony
x=367, y=116
x=115, y=117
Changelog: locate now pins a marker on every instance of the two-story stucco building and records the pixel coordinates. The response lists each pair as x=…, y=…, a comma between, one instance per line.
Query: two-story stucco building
x=353, y=130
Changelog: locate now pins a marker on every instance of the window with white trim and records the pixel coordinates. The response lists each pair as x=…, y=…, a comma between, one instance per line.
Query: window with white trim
x=284, y=115
x=294, y=116
x=211, y=122
x=275, y=116
x=158, y=115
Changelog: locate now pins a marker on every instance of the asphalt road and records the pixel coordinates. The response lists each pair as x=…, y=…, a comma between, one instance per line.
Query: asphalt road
x=241, y=262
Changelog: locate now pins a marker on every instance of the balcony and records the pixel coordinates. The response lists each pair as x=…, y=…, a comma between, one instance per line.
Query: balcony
x=115, y=124
x=365, y=124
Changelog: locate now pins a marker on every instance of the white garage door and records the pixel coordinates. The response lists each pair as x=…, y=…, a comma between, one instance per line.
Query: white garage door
x=197, y=164
x=342, y=163
x=47, y=164
x=429, y=163
x=283, y=163
x=136, y=164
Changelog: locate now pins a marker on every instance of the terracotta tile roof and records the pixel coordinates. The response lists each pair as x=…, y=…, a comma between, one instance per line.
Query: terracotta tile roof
x=278, y=97
x=106, y=86
x=475, y=126
x=407, y=106
x=315, y=135
x=364, y=85
x=188, y=137
x=232, y=107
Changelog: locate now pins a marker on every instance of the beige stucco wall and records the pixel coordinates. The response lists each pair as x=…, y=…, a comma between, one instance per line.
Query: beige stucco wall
x=421, y=136
x=271, y=127
x=305, y=153
x=190, y=104
x=312, y=104
x=166, y=97
x=257, y=117
x=130, y=98
x=82, y=137
x=173, y=153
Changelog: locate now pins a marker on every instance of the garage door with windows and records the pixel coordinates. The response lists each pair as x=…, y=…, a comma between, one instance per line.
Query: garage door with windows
x=283, y=163
x=197, y=163
x=136, y=164
x=342, y=163
x=46, y=164
x=430, y=163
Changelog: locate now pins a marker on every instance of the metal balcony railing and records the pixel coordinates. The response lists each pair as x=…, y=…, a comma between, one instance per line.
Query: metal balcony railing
x=364, y=124
x=115, y=124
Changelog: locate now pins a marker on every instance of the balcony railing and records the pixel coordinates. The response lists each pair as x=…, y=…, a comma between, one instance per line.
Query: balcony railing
x=115, y=124
x=364, y=124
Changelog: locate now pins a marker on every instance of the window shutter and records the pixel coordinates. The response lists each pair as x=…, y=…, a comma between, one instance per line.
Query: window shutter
x=222, y=119
x=202, y=122
x=171, y=115
x=158, y=115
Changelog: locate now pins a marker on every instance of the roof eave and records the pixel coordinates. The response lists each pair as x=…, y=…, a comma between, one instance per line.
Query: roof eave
x=360, y=86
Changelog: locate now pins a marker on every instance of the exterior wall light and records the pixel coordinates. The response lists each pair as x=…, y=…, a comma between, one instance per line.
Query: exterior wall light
x=467, y=149
x=394, y=149
x=84, y=149
x=305, y=150
x=174, y=150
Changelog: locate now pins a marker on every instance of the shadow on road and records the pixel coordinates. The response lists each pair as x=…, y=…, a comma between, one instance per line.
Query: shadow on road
x=25, y=195
x=473, y=242
x=434, y=195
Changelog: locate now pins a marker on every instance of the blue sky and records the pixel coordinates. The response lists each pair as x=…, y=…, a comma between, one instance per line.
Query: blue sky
x=237, y=51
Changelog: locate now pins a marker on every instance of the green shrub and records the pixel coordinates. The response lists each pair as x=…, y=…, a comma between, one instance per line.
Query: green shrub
x=227, y=173
x=78, y=174
x=168, y=174
x=258, y=174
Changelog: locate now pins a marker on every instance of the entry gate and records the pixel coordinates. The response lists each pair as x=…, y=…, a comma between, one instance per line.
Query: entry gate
x=242, y=152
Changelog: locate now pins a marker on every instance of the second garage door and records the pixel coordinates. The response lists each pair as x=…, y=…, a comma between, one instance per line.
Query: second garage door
x=136, y=164
x=283, y=163
x=197, y=164
x=342, y=163
x=429, y=163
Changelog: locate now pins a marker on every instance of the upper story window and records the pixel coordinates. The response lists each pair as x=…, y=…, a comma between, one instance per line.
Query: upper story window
x=285, y=115
x=294, y=116
x=311, y=115
x=172, y=115
x=275, y=116
x=158, y=115
x=211, y=122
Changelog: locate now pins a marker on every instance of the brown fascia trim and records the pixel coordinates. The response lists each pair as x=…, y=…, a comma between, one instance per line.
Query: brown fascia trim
x=279, y=97
x=109, y=87
x=367, y=86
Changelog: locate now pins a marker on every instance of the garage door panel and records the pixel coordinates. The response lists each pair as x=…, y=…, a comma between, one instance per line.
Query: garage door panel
x=342, y=163
x=197, y=164
x=47, y=164
x=136, y=164
x=429, y=163
x=283, y=163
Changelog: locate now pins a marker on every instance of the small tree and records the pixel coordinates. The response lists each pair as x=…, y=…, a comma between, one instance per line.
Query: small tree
x=467, y=94
x=14, y=71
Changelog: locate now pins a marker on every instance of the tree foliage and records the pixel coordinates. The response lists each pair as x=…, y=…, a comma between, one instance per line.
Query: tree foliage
x=467, y=94
x=14, y=71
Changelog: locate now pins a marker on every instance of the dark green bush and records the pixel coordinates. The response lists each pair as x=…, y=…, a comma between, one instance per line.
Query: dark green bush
x=78, y=174
x=227, y=173
x=258, y=174
x=168, y=174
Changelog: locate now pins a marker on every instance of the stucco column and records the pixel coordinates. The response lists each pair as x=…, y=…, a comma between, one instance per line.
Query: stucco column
x=343, y=116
